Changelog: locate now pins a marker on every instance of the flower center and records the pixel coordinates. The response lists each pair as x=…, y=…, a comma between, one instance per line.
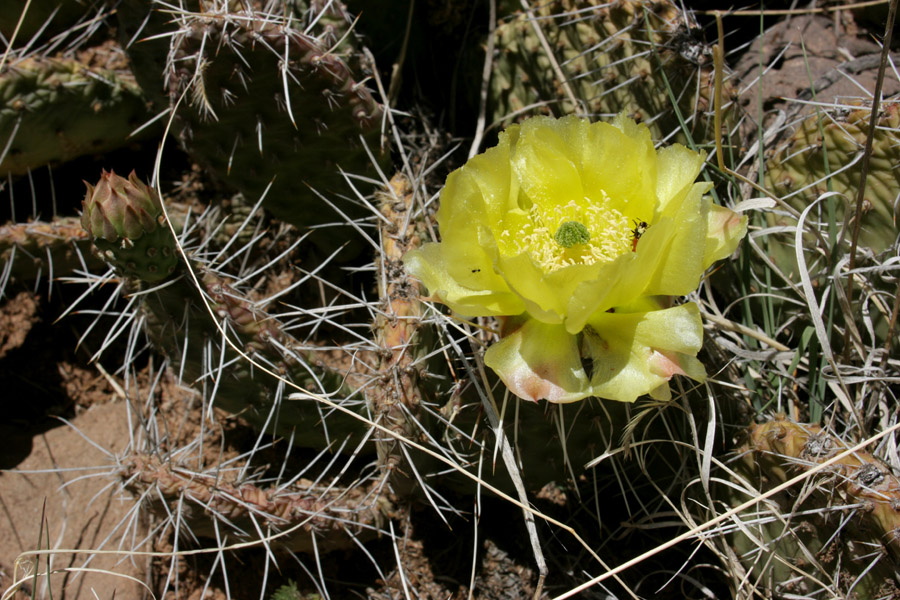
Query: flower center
x=584, y=232
x=571, y=233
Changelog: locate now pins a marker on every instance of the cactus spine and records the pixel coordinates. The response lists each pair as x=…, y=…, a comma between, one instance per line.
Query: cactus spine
x=823, y=155
x=272, y=110
x=54, y=110
x=573, y=56
x=333, y=514
x=825, y=532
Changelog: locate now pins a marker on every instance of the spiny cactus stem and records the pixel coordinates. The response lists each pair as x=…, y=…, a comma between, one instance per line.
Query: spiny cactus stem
x=60, y=245
x=396, y=399
x=548, y=51
x=784, y=446
x=308, y=506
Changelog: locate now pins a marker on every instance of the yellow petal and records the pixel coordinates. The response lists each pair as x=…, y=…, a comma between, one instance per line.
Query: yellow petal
x=632, y=354
x=538, y=361
x=492, y=298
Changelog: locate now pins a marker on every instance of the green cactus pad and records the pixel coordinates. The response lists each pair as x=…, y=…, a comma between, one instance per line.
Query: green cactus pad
x=178, y=324
x=54, y=110
x=603, y=60
x=823, y=155
x=777, y=550
x=253, y=122
x=40, y=248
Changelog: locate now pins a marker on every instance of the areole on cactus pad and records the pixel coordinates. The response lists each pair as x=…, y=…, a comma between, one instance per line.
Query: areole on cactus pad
x=576, y=236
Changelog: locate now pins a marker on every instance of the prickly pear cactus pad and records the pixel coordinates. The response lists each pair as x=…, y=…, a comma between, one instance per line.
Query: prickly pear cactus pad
x=585, y=57
x=574, y=235
x=54, y=110
x=819, y=521
x=263, y=103
x=823, y=155
x=123, y=217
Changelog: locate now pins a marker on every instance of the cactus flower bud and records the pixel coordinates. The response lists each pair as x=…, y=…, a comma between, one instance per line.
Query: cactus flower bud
x=123, y=218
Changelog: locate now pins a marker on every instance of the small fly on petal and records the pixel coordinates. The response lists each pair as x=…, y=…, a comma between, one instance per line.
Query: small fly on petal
x=640, y=227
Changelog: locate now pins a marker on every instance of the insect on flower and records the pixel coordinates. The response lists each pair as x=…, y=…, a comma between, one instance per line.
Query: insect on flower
x=640, y=227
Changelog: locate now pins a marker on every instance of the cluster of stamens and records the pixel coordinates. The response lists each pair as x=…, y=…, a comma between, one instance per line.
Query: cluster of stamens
x=559, y=236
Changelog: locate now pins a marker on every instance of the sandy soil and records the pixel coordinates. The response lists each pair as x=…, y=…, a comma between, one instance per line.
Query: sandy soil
x=80, y=510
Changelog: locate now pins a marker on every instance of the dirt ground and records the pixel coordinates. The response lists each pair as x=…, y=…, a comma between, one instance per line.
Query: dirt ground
x=51, y=500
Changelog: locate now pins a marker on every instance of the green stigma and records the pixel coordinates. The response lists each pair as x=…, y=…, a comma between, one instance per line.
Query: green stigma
x=571, y=233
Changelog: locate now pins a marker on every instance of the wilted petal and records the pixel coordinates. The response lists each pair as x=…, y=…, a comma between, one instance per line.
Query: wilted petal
x=538, y=361
x=725, y=230
x=632, y=354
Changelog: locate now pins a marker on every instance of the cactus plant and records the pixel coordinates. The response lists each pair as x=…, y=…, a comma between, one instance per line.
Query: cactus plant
x=822, y=155
x=817, y=169
x=30, y=250
x=123, y=218
x=307, y=508
x=823, y=535
x=240, y=307
x=578, y=56
x=54, y=110
x=273, y=110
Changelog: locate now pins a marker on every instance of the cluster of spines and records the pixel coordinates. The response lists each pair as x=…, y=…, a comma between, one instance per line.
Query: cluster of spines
x=245, y=389
x=305, y=507
x=847, y=515
x=29, y=251
x=570, y=56
x=395, y=397
x=272, y=110
x=123, y=218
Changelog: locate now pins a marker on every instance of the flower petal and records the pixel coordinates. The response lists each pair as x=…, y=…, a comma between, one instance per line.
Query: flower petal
x=540, y=361
x=632, y=354
x=482, y=190
x=678, y=167
x=672, y=250
x=547, y=296
x=620, y=159
x=544, y=163
x=724, y=233
x=616, y=284
x=432, y=265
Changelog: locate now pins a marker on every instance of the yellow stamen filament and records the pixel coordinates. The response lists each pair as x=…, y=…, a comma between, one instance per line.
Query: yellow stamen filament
x=610, y=234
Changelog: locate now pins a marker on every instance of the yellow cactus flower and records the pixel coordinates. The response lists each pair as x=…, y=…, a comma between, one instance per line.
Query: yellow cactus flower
x=576, y=235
